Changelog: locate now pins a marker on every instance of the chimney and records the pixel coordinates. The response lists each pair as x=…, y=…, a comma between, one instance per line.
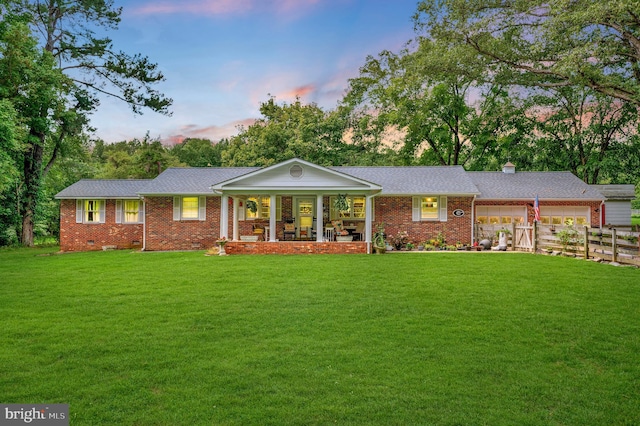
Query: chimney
x=509, y=168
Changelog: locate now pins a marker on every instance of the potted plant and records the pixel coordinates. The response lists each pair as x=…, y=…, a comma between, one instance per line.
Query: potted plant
x=410, y=246
x=221, y=242
x=340, y=203
x=399, y=240
x=378, y=240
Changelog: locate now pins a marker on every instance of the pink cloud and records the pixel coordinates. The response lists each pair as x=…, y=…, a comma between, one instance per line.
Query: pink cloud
x=224, y=7
x=213, y=133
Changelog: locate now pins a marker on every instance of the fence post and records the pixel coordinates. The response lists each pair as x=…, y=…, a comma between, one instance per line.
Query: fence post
x=513, y=236
x=614, y=245
x=535, y=236
x=586, y=243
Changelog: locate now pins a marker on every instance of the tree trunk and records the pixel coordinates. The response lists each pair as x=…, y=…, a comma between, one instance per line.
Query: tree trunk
x=32, y=179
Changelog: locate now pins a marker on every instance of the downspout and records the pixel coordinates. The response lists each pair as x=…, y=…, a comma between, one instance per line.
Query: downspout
x=602, y=214
x=473, y=220
x=144, y=225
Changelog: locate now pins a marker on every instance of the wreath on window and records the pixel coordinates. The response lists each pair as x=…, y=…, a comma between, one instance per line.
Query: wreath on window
x=252, y=206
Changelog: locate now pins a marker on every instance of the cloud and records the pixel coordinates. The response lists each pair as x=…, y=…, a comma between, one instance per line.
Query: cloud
x=213, y=133
x=224, y=7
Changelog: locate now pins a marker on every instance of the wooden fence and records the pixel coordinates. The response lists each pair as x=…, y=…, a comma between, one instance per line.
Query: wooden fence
x=616, y=244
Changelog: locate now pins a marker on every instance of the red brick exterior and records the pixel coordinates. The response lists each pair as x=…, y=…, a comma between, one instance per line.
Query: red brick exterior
x=94, y=236
x=296, y=247
x=594, y=207
x=396, y=214
x=163, y=233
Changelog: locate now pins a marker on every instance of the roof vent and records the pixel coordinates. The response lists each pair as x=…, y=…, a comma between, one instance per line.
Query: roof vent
x=296, y=171
x=509, y=168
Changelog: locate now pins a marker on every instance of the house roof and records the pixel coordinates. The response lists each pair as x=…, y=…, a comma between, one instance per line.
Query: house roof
x=104, y=188
x=528, y=185
x=617, y=192
x=192, y=180
x=451, y=180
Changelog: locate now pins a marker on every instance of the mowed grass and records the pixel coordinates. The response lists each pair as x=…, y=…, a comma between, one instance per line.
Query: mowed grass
x=427, y=338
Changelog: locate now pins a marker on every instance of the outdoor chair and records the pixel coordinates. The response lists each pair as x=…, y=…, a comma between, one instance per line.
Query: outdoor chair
x=289, y=230
x=359, y=231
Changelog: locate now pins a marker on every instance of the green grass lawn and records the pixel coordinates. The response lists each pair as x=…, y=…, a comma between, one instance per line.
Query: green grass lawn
x=426, y=338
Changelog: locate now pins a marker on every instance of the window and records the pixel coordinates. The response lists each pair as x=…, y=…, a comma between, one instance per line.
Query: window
x=564, y=215
x=500, y=215
x=263, y=208
x=129, y=211
x=429, y=208
x=90, y=211
x=356, y=208
x=189, y=208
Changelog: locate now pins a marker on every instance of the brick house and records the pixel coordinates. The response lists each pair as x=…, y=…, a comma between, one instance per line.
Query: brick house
x=294, y=202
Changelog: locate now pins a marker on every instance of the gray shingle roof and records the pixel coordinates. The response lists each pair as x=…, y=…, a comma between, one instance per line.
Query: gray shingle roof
x=415, y=179
x=617, y=192
x=526, y=185
x=104, y=188
x=192, y=181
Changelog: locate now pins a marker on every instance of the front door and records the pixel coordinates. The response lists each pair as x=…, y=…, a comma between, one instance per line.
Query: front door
x=304, y=216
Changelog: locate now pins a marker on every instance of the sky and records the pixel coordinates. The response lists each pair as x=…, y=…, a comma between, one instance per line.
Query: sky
x=222, y=58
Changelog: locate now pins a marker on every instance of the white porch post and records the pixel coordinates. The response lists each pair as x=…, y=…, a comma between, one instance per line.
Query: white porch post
x=272, y=218
x=236, y=211
x=368, y=222
x=224, y=216
x=319, y=218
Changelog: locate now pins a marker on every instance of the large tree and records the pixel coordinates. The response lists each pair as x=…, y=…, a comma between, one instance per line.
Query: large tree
x=580, y=43
x=67, y=31
x=438, y=98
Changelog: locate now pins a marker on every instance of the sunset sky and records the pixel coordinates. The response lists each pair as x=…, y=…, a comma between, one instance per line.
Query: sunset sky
x=222, y=58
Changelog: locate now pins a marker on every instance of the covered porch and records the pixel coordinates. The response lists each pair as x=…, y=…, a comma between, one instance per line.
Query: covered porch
x=292, y=204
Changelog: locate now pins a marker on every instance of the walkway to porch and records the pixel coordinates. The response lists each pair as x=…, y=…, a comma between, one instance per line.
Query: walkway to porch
x=295, y=247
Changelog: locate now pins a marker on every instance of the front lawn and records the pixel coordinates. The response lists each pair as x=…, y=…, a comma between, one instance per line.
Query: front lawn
x=425, y=338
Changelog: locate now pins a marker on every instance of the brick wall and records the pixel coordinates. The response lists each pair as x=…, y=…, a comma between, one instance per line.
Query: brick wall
x=296, y=247
x=594, y=207
x=396, y=214
x=94, y=236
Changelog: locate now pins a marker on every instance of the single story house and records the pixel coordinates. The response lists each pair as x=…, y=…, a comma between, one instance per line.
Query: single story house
x=293, y=203
x=616, y=210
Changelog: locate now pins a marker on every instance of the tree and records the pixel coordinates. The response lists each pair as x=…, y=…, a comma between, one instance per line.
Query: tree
x=562, y=43
x=439, y=101
x=293, y=130
x=90, y=68
x=199, y=152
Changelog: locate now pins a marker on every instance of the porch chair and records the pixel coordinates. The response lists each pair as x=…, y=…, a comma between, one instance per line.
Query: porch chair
x=339, y=228
x=289, y=229
x=359, y=231
x=258, y=230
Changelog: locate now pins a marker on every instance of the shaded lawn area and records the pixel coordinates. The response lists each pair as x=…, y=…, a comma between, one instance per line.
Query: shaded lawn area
x=425, y=338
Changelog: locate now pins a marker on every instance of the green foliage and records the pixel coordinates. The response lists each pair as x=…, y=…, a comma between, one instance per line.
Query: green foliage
x=182, y=338
x=199, y=152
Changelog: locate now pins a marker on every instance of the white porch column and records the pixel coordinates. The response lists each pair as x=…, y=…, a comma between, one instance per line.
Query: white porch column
x=319, y=218
x=368, y=222
x=224, y=216
x=272, y=218
x=236, y=214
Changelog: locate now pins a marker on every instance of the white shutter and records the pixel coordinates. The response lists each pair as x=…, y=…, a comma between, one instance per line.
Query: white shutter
x=79, y=204
x=102, y=204
x=416, y=211
x=176, y=208
x=443, y=208
x=118, y=211
x=202, y=208
x=278, y=208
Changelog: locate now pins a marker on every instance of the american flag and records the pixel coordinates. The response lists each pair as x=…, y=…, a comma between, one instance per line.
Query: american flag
x=536, y=210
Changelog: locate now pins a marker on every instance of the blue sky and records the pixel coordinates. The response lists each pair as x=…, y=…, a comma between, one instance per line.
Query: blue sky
x=222, y=58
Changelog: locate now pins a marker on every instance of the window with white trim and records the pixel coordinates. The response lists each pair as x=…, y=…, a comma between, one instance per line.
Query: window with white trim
x=189, y=208
x=263, y=208
x=355, y=211
x=90, y=211
x=561, y=215
x=429, y=208
x=129, y=211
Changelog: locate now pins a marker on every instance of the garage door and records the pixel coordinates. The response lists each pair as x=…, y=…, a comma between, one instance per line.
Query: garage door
x=564, y=216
